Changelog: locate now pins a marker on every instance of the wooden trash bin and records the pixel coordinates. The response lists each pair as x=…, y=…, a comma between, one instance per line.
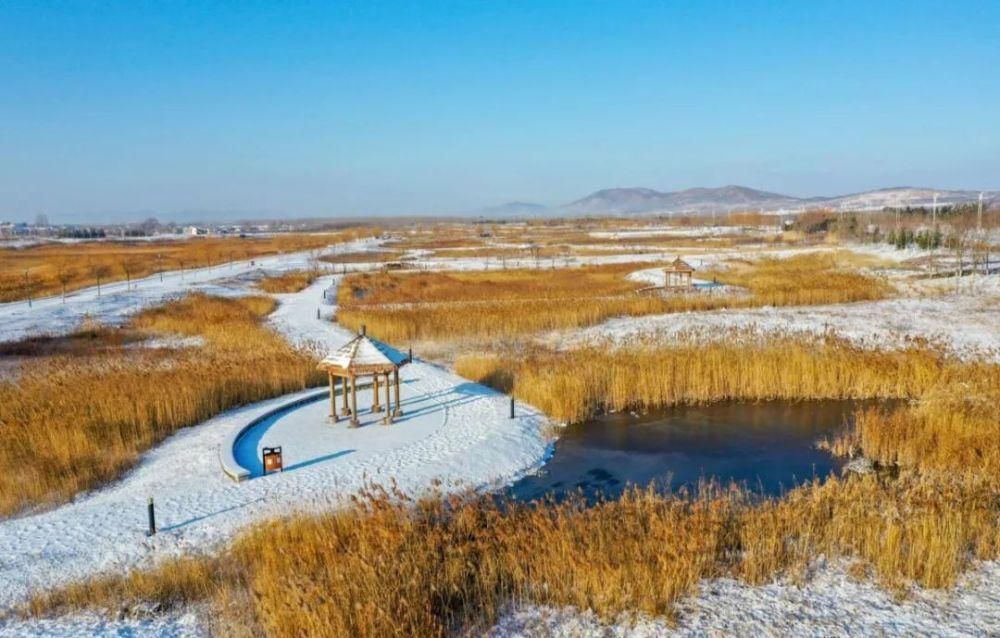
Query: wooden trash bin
x=272, y=460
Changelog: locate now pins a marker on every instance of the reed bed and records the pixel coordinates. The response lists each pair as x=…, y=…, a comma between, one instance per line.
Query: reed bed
x=509, y=319
x=292, y=281
x=573, y=385
x=362, y=257
x=504, y=303
x=372, y=289
x=71, y=421
x=58, y=268
x=808, y=279
x=954, y=428
x=392, y=567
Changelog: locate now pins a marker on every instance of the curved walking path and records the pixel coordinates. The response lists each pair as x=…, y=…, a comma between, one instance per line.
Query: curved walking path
x=459, y=434
x=119, y=299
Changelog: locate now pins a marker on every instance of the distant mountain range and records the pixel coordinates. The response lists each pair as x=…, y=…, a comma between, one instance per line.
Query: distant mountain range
x=704, y=201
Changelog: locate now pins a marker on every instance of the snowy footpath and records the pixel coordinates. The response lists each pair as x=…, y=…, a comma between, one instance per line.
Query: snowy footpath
x=460, y=434
x=117, y=300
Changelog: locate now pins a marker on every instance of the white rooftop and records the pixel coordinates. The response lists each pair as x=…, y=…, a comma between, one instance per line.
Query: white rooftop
x=361, y=352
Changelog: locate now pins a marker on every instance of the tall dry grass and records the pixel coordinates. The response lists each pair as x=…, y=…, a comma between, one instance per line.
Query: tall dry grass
x=513, y=318
x=362, y=257
x=573, y=385
x=807, y=279
x=57, y=268
x=402, y=307
x=391, y=567
x=374, y=289
x=953, y=428
x=292, y=281
x=70, y=421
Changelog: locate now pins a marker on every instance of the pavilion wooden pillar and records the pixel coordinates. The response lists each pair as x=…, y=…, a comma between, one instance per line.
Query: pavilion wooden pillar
x=333, y=398
x=375, y=406
x=354, y=400
x=398, y=412
x=346, y=410
x=388, y=402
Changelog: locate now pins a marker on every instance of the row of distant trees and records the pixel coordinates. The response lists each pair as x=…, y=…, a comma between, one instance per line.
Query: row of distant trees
x=925, y=239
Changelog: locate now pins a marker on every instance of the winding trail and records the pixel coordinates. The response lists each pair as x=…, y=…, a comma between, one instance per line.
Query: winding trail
x=464, y=440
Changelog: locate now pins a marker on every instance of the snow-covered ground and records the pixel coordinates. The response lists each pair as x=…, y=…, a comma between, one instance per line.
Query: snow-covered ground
x=184, y=624
x=967, y=322
x=118, y=300
x=678, y=231
x=463, y=434
x=465, y=438
x=829, y=604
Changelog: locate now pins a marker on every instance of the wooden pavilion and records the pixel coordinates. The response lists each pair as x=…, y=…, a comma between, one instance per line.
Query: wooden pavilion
x=678, y=274
x=363, y=356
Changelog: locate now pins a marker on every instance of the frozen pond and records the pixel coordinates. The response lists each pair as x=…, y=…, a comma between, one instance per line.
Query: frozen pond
x=768, y=446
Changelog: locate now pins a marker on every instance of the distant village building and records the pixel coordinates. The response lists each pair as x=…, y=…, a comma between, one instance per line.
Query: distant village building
x=194, y=230
x=678, y=274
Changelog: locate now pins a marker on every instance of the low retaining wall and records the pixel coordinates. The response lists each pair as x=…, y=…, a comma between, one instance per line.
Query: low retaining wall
x=227, y=456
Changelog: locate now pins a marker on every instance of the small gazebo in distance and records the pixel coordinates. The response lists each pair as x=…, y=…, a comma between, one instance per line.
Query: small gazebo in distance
x=678, y=275
x=363, y=356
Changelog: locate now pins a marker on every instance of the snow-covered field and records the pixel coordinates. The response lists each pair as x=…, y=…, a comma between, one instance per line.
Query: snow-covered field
x=830, y=603
x=465, y=437
x=966, y=322
x=675, y=231
x=118, y=300
x=459, y=431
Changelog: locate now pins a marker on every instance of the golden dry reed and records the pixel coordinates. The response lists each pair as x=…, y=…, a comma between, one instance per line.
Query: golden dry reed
x=292, y=281
x=401, y=307
x=573, y=385
x=954, y=428
x=70, y=421
x=57, y=268
x=362, y=257
x=390, y=567
x=807, y=279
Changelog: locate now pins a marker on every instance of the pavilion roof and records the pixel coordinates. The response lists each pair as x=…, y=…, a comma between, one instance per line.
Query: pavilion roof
x=364, y=355
x=679, y=265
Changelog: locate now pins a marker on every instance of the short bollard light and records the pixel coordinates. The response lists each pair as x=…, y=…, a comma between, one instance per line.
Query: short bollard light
x=151, y=512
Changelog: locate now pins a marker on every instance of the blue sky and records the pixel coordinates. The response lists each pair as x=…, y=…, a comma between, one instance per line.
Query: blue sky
x=115, y=110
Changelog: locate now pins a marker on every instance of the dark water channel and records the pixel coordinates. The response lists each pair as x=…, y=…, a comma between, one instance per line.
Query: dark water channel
x=767, y=446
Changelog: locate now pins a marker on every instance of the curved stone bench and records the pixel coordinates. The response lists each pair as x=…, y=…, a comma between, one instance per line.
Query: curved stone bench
x=227, y=448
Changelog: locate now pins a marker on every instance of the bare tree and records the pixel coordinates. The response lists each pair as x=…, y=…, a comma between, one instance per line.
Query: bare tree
x=27, y=285
x=64, y=275
x=99, y=271
x=128, y=267
x=535, y=251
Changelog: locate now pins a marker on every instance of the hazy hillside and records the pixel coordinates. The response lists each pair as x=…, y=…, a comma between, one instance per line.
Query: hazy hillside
x=703, y=201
